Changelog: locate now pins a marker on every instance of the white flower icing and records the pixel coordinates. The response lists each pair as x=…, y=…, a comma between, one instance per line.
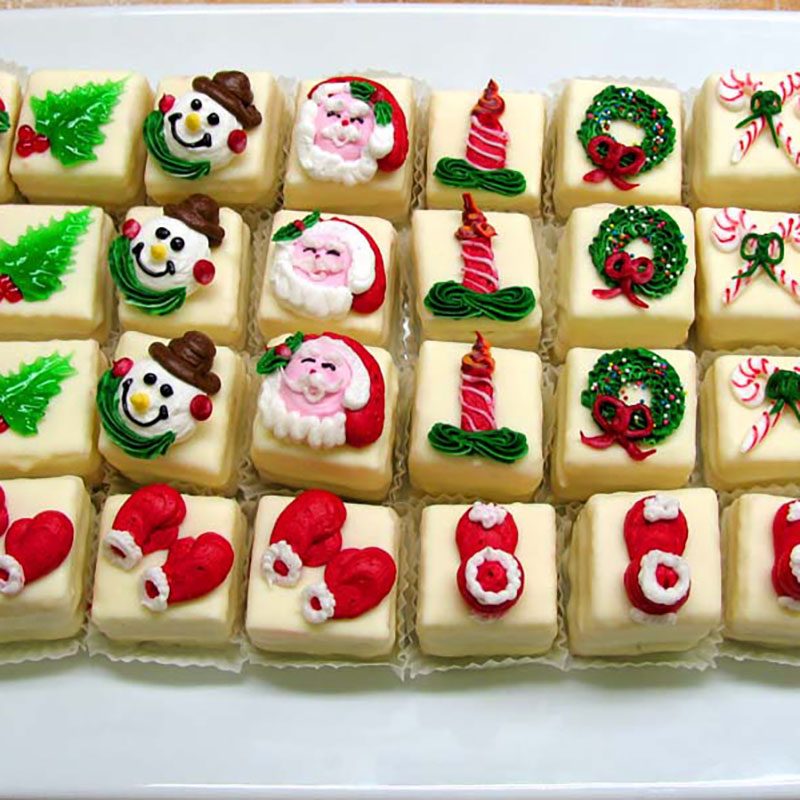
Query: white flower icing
x=648, y=581
x=487, y=514
x=327, y=603
x=513, y=577
x=661, y=507
x=281, y=551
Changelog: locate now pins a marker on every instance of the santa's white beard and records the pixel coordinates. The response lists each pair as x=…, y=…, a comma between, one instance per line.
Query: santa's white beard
x=317, y=432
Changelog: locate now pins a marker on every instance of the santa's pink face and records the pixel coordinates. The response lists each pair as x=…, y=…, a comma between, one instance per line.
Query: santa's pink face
x=343, y=125
x=315, y=380
x=322, y=258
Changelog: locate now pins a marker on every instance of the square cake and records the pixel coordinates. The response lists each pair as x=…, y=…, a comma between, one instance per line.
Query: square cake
x=323, y=577
x=176, y=580
x=625, y=420
x=46, y=525
x=477, y=422
x=352, y=148
x=326, y=415
x=748, y=288
x=761, y=534
x=644, y=573
x=617, y=143
x=53, y=273
x=173, y=410
x=477, y=270
x=625, y=277
x=79, y=138
x=330, y=273
x=750, y=409
x=487, y=580
x=218, y=135
x=744, y=141
x=487, y=144
x=48, y=420
x=10, y=98
x=182, y=267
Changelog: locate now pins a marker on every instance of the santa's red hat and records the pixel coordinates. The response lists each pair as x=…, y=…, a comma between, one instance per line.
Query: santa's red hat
x=786, y=565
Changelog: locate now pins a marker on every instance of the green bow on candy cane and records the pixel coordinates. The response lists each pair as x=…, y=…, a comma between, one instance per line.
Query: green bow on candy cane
x=764, y=104
x=763, y=251
x=783, y=388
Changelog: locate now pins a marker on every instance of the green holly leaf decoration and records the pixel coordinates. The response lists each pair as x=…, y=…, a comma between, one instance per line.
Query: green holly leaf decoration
x=26, y=394
x=39, y=259
x=72, y=119
x=275, y=358
x=362, y=90
x=295, y=228
x=5, y=121
x=383, y=112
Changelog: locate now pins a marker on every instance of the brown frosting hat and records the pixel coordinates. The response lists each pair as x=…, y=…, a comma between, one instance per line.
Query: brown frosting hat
x=201, y=213
x=190, y=358
x=231, y=89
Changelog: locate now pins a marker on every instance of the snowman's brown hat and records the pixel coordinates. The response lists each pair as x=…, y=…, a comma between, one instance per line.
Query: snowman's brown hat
x=189, y=358
x=201, y=213
x=231, y=89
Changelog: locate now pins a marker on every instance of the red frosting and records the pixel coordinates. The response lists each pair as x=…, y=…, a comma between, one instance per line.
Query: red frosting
x=785, y=537
x=152, y=515
x=359, y=579
x=40, y=544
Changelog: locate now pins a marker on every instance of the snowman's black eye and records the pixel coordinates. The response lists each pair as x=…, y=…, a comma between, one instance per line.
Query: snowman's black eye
x=213, y=119
x=150, y=379
x=166, y=390
x=196, y=105
x=177, y=244
x=162, y=233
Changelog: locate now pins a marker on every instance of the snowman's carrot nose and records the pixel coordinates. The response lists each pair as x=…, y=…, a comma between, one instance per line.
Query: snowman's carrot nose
x=193, y=122
x=158, y=251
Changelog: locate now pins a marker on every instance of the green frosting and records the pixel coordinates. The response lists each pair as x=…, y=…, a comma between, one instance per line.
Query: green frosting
x=503, y=444
x=455, y=301
x=117, y=428
x=460, y=173
x=5, y=121
x=156, y=143
x=271, y=361
x=123, y=271
x=295, y=229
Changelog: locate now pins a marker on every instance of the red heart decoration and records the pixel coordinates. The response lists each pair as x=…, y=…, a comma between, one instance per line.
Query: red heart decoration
x=472, y=536
x=39, y=544
x=359, y=579
x=312, y=525
x=785, y=537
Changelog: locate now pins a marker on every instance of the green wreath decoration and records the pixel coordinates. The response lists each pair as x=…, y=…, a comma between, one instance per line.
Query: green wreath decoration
x=156, y=144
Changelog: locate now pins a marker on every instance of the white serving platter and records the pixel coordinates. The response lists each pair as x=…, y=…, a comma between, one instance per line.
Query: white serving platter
x=92, y=729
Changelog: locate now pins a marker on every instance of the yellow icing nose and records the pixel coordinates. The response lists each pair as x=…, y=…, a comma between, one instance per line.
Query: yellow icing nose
x=140, y=402
x=158, y=252
x=193, y=122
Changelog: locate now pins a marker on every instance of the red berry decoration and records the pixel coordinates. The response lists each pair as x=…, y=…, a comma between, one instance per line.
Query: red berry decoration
x=237, y=141
x=29, y=142
x=165, y=103
x=283, y=351
x=204, y=272
x=3, y=425
x=2, y=105
x=121, y=367
x=201, y=407
x=131, y=228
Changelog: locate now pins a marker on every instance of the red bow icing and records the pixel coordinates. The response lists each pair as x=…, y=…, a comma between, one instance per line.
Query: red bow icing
x=786, y=545
x=626, y=272
x=618, y=428
x=614, y=161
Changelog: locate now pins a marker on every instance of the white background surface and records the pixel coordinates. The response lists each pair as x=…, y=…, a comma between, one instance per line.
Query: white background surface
x=81, y=728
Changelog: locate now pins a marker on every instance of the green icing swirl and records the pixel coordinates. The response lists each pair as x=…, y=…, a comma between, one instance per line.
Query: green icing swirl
x=5, y=121
x=156, y=143
x=503, y=444
x=458, y=172
x=455, y=301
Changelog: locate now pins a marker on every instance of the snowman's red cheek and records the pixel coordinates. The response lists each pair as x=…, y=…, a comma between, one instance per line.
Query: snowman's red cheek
x=131, y=228
x=237, y=141
x=201, y=407
x=121, y=367
x=166, y=103
x=203, y=272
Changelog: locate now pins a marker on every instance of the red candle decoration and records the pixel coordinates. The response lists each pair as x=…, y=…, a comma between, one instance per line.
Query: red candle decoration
x=475, y=237
x=477, y=388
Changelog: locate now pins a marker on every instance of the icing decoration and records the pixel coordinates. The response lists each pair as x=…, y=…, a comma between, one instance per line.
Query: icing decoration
x=5, y=120
x=732, y=230
x=654, y=385
x=204, y=129
x=324, y=390
x=156, y=266
x=766, y=106
x=147, y=406
x=786, y=546
x=661, y=506
x=657, y=579
x=478, y=434
x=146, y=522
x=484, y=166
x=479, y=293
x=355, y=581
x=32, y=268
x=69, y=123
x=308, y=532
x=755, y=380
x=324, y=268
x=348, y=129
x=490, y=578
x=26, y=394
x=193, y=569
x=613, y=160
x=635, y=278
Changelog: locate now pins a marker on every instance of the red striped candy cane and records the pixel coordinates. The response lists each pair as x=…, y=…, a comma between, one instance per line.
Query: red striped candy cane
x=749, y=135
x=789, y=230
x=733, y=88
x=729, y=227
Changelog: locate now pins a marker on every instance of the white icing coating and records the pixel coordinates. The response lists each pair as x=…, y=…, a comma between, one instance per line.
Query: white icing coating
x=661, y=507
x=653, y=619
x=156, y=576
x=281, y=551
x=327, y=602
x=14, y=582
x=793, y=514
x=652, y=589
x=513, y=577
x=120, y=548
x=488, y=514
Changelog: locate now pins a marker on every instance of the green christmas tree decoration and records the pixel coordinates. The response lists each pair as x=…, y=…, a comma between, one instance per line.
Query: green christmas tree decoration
x=39, y=259
x=72, y=119
x=26, y=394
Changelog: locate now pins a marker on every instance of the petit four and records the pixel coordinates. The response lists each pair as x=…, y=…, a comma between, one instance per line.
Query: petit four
x=748, y=289
x=617, y=144
x=79, y=137
x=761, y=543
x=326, y=415
x=352, y=149
x=9, y=110
x=487, y=580
x=172, y=410
x=644, y=573
x=625, y=419
x=168, y=568
x=488, y=144
x=625, y=277
x=323, y=576
x=44, y=533
x=744, y=141
x=475, y=269
x=330, y=272
x=183, y=266
x=751, y=421
x=477, y=421
x=218, y=135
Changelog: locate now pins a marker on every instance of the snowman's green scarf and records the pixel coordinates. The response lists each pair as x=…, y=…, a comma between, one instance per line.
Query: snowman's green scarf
x=156, y=143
